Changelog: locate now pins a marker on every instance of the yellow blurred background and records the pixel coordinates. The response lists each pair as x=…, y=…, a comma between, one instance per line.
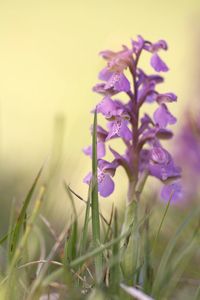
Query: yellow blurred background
x=49, y=62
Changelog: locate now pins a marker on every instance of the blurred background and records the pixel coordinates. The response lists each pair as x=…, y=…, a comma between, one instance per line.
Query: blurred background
x=48, y=64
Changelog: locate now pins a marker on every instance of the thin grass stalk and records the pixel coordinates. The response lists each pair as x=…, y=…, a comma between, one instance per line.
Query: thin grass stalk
x=86, y=223
x=115, y=269
x=95, y=205
x=22, y=217
x=169, y=249
x=19, y=250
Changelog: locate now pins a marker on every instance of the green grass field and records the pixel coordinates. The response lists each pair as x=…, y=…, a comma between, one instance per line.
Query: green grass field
x=153, y=256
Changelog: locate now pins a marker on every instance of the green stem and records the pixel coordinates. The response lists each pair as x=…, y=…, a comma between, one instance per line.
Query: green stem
x=132, y=201
x=95, y=205
x=130, y=245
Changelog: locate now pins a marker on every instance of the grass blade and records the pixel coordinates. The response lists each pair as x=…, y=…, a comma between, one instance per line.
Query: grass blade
x=95, y=204
x=71, y=198
x=148, y=270
x=197, y=294
x=86, y=222
x=22, y=243
x=71, y=242
x=108, y=233
x=22, y=216
x=162, y=221
x=115, y=269
x=169, y=249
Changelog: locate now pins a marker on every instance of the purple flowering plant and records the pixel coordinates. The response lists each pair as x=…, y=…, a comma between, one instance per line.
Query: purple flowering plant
x=98, y=258
x=141, y=134
x=188, y=139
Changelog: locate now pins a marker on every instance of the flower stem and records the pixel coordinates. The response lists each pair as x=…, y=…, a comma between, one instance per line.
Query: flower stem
x=130, y=246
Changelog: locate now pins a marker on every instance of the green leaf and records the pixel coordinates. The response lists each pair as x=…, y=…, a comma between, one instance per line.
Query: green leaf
x=22, y=217
x=95, y=204
x=148, y=270
x=109, y=230
x=165, y=260
x=115, y=269
x=197, y=294
x=71, y=243
x=71, y=198
x=86, y=223
x=11, y=278
x=162, y=221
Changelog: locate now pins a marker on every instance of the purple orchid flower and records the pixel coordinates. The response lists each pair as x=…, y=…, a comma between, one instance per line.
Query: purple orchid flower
x=163, y=117
x=141, y=134
x=188, y=154
x=158, y=64
x=106, y=171
x=175, y=191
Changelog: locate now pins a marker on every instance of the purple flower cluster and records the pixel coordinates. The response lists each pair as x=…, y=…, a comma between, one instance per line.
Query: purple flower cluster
x=141, y=135
x=188, y=154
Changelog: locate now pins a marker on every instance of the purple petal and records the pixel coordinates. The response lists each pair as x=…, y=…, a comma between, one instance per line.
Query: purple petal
x=148, y=135
x=107, y=106
x=163, y=172
x=163, y=117
x=143, y=78
x=122, y=85
x=119, y=82
x=99, y=88
x=119, y=128
x=125, y=160
x=161, y=44
x=105, y=74
x=167, y=97
x=112, y=108
x=108, y=167
x=137, y=45
x=101, y=133
x=87, y=150
x=144, y=160
x=158, y=64
x=160, y=155
x=101, y=150
x=87, y=178
x=105, y=184
x=172, y=192
x=146, y=89
x=145, y=122
x=146, y=119
x=107, y=54
x=151, y=97
x=164, y=134
x=156, y=78
x=118, y=61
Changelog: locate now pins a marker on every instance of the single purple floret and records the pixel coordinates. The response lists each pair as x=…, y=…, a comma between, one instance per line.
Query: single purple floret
x=172, y=192
x=158, y=64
